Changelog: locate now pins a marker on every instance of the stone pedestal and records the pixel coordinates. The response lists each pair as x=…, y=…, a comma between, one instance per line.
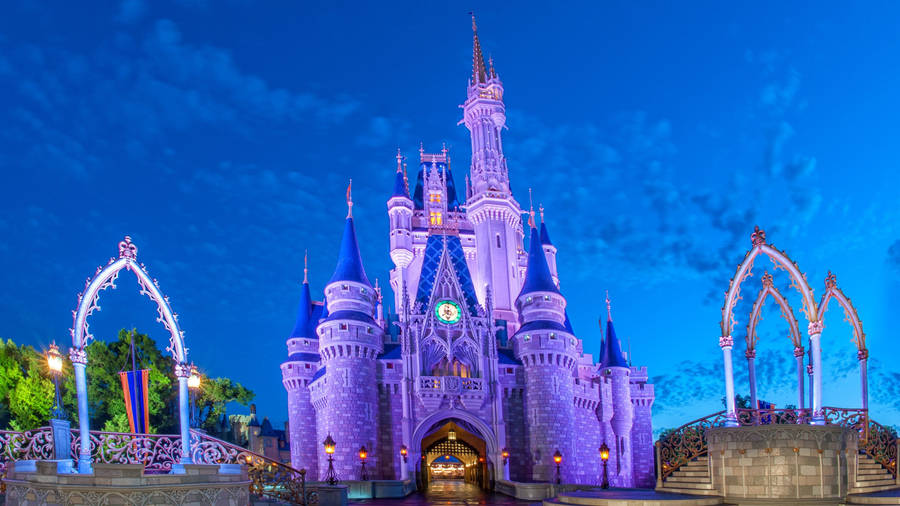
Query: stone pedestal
x=779, y=463
x=41, y=483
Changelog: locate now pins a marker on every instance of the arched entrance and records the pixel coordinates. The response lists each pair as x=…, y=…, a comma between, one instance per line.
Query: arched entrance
x=454, y=449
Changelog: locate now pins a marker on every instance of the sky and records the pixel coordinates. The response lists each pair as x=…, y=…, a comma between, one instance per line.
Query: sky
x=221, y=135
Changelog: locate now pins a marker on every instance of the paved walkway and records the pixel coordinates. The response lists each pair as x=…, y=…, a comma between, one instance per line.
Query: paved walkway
x=450, y=493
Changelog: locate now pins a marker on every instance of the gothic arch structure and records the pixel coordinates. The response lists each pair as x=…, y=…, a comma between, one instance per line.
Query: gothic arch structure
x=852, y=317
x=787, y=313
x=814, y=315
x=105, y=277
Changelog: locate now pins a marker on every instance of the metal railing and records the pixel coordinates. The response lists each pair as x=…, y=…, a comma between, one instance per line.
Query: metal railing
x=158, y=453
x=687, y=442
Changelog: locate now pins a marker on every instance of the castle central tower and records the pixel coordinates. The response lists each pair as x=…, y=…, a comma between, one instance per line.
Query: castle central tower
x=490, y=206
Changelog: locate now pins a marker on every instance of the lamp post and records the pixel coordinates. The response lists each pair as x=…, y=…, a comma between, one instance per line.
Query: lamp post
x=404, y=452
x=557, y=457
x=604, y=456
x=60, y=427
x=505, y=454
x=330, y=476
x=193, y=386
x=363, y=454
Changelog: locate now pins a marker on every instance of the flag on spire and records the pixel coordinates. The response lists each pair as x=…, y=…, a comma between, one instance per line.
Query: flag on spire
x=349, y=200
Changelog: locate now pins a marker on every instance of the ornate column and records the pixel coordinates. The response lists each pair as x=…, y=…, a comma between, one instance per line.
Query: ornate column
x=815, y=335
x=79, y=362
x=726, y=343
x=809, y=372
x=798, y=355
x=182, y=372
x=751, y=368
x=863, y=356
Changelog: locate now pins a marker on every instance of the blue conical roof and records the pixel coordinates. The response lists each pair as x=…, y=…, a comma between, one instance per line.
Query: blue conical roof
x=545, y=237
x=400, y=187
x=349, y=265
x=611, y=352
x=302, y=327
x=537, y=276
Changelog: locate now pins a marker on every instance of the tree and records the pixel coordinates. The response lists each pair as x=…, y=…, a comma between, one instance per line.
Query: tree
x=25, y=390
x=214, y=395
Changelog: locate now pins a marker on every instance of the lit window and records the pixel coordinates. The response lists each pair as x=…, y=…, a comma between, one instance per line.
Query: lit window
x=434, y=197
x=552, y=335
x=546, y=297
x=527, y=338
x=435, y=218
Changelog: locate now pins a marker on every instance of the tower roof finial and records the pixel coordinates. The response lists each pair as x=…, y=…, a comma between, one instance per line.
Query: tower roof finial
x=479, y=74
x=608, y=308
x=306, y=267
x=531, y=210
x=399, y=160
x=541, y=208
x=349, y=200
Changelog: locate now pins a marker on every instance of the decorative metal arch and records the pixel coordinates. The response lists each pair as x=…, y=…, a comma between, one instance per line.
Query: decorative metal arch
x=787, y=313
x=104, y=278
x=780, y=260
x=852, y=317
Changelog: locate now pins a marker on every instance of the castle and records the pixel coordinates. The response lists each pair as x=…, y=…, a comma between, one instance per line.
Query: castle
x=480, y=362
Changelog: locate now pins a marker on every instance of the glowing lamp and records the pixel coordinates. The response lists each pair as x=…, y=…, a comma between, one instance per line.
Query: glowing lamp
x=604, y=452
x=446, y=457
x=557, y=457
x=403, y=451
x=480, y=459
x=329, y=445
x=451, y=435
x=54, y=359
x=194, y=378
x=363, y=453
x=505, y=453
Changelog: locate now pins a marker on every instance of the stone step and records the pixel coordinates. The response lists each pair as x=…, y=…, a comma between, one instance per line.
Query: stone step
x=625, y=497
x=689, y=491
x=883, y=475
x=873, y=485
x=869, y=465
x=688, y=485
x=688, y=479
x=691, y=472
x=879, y=470
x=884, y=497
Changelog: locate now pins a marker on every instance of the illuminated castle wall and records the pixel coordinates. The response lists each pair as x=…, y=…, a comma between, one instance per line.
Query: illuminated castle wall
x=481, y=336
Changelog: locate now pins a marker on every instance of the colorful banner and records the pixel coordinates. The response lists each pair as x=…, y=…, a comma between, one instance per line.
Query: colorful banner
x=135, y=386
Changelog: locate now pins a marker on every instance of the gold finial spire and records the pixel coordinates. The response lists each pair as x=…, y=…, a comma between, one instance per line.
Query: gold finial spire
x=541, y=208
x=479, y=75
x=399, y=160
x=349, y=200
x=305, y=267
x=491, y=72
x=608, y=307
x=531, y=210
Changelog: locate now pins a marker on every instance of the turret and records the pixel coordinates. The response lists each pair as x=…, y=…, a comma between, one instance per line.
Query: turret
x=490, y=206
x=549, y=248
x=296, y=373
x=400, y=213
x=349, y=341
x=549, y=354
x=615, y=371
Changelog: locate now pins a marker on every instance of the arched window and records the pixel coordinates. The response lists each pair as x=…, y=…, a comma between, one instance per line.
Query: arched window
x=447, y=368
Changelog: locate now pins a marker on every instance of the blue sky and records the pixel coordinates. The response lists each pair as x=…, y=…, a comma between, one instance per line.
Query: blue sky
x=220, y=136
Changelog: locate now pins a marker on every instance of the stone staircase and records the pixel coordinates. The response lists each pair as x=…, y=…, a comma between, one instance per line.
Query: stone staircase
x=872, y=477
x=691, y=478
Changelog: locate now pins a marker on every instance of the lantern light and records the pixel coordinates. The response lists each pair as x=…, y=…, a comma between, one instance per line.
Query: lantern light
x=329, y=445
x=604, y=452
x=54, y=359
x=194, y=378
x=451, y=435
x=557, y=457
x=363, y=453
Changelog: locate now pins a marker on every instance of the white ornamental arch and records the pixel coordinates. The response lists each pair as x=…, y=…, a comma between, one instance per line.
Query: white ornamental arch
x=104, y=278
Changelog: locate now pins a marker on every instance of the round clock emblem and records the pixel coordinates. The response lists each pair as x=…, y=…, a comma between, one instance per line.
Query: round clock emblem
x=448, y=311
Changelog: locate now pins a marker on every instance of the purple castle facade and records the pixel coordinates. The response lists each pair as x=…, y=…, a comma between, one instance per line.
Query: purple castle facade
x=481, y=355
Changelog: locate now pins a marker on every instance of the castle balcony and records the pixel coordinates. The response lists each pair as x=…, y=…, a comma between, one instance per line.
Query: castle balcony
x=434, y=390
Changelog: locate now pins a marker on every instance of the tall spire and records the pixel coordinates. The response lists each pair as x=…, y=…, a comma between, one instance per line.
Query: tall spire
x=530, y=210
x=401, y=187
x=545, y=236
x=537, y=274
x=349, y=266
x=479, y=74
x=608, y=308
x=304, y=326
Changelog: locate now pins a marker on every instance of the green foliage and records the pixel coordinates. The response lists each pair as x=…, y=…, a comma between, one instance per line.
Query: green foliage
x=26, y=392
x=740, y=401
x=214, y=395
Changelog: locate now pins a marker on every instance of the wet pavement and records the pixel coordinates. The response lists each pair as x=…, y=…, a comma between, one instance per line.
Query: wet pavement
x=452, y=493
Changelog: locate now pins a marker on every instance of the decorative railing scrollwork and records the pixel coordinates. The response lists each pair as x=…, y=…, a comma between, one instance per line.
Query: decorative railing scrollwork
x=881, y=445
